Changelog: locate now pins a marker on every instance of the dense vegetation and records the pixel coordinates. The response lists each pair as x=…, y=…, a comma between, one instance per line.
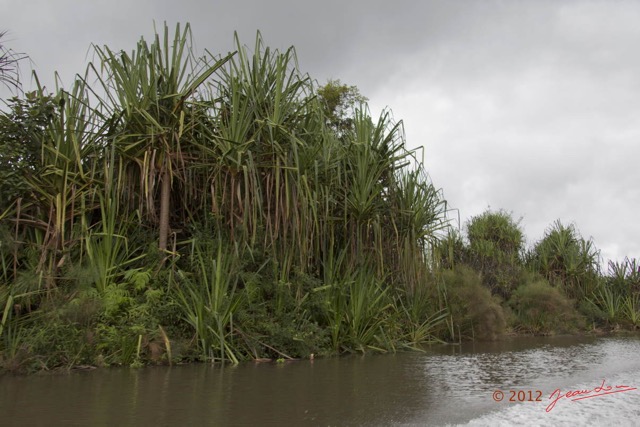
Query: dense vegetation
x=173, y=207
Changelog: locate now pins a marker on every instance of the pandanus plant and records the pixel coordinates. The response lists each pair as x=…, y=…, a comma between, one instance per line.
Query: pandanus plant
x=239, y=147
x=63, y=186
x=153, y=94
x=9, y=75
x=565, y=258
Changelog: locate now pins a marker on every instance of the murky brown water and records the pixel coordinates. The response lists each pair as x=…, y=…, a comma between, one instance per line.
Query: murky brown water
x=445, y=385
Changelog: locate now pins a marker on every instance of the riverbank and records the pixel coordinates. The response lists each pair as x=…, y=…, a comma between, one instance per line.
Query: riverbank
x=446, y=385
x=503, y=341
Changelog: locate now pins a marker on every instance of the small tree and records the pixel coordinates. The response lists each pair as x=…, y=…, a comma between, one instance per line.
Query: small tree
x=566, y=259
x=495, y=246
x=21, y=132
x=155, y=96
x=339, y=102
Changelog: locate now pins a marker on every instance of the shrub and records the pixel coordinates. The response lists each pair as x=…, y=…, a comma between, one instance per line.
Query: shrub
x=540, y=308
x=474, y=312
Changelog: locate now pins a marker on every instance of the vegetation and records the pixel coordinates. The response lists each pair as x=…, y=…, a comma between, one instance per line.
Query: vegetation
x=555, y=287
x=474, y=312
x=496, y=244
x=225, y=208
x=615, y=301
x=543, y=309
x=564, y=258
x=9, y=64
x=209, y=208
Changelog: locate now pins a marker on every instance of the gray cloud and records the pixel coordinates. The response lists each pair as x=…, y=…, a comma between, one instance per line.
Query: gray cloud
x=531, y=106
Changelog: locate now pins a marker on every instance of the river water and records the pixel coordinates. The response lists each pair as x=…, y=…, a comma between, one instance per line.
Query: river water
x=446, y=385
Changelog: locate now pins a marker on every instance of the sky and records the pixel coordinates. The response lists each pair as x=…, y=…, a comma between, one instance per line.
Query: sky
x=532, y=107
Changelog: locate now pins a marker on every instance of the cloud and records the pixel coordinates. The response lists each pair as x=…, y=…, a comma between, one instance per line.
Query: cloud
x=533, y=110
x=530, y=106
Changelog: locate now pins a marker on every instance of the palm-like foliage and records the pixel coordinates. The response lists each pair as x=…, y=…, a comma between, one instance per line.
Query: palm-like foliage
x=624, y=277
x=9, y=65
x=151, y=93
x=565, y=258
x=61, y=184
x=238, y=149
x=209, y=299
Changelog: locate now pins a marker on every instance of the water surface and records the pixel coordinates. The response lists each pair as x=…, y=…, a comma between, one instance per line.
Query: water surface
x=446, y=385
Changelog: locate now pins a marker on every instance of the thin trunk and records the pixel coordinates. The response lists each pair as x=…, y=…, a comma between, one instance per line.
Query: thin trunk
x=165, y=197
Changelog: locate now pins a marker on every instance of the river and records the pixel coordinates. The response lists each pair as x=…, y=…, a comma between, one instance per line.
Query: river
x=444, y=386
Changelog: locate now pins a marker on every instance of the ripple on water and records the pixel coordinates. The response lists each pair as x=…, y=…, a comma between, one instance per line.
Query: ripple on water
x=465, y=383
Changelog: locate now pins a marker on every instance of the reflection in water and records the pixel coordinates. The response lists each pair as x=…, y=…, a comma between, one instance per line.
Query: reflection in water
x=445, y=385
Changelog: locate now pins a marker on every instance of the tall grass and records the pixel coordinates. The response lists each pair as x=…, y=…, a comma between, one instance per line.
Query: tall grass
x=209, y=299
x=608, y=302
x=631, y=309
x=366, y=320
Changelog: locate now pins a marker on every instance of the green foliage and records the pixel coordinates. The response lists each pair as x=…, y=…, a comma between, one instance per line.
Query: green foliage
x=106, y=251
x=169, y=196
x=357, y=312
x=41, y=339
x=149, y=95
x=422, y=320
x=131, y=316
x=451, y=250
x=567, y=260
x=9, y=65
x=210, y=299
x=495, y=245
x=280, y=318
x=616, y=298
x=624, y=277
x=339, y=101
x=293, y=334
x=540, y=308
x=495, y=234
x=22, y=130
x=631, y=309
x=474, y=312
x=83, y=308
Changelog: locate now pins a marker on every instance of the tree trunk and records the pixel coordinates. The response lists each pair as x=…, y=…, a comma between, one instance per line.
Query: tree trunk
x=165, y=202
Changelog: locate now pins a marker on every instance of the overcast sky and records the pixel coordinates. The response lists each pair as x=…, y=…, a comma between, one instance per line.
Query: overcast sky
x=529, y=106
